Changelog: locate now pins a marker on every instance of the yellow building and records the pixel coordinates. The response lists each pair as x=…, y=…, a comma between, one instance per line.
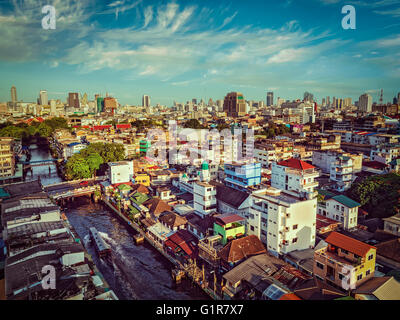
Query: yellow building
x=7, y=162
x=143, y=178
x=345, y=263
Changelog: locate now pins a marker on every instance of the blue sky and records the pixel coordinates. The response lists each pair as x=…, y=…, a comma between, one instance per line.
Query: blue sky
x=179, y=50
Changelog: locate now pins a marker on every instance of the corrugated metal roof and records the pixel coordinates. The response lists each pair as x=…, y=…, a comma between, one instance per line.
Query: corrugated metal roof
x=346, y=201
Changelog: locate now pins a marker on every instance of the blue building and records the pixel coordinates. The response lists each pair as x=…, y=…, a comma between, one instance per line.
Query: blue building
x=241, y=176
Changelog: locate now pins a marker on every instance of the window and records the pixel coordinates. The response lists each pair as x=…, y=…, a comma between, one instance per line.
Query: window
x=251, y=228
x=320, y=265
x=370, y=257
x=341, y=276
x=294, y=240
x=359, y=277
x=368, y=272
x=295, y=226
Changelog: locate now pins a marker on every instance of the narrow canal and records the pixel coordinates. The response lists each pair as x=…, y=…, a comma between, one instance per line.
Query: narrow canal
x=134, y=272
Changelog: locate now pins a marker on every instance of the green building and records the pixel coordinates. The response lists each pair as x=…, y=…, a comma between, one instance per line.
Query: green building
x=229, y=226
x=144, y=145
x=100, y=104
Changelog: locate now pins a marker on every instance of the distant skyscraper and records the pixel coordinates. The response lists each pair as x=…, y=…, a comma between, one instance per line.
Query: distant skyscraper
x=194, y=101
x=100, y=104
x=43, y=99
x=339, y=104
x=14, y=98
x=365, y=103
x=334, y=102
x=328, y=101
x=146, y=101
x=220, y=104
x=53, y=107
x=308, y=96
x=73, y=100
x=234, y=104
x=110, y=104
x=347, y=102
x=270, y=99
x=398, y=98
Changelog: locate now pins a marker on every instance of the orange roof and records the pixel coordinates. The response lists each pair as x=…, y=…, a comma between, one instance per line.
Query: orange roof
x=296, y=164
x=289, y=296
x=352, y=245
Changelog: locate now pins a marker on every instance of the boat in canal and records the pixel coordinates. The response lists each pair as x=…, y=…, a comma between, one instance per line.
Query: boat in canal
x=102, y=248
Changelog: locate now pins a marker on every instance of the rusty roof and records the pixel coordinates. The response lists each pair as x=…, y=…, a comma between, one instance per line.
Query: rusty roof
x=239, y=249
x=352, y=245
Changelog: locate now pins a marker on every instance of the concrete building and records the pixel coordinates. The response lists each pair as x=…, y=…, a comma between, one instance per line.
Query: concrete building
x=270, y=99
x=365, y=103
x=43, y=98
x=339, y=208
x=341, y=172
x=7, y=157
x=73, y=100
x=120, y=172
x=234, y=105
x=241, y=176
x=295, y=177
x=146, y=101
x=287, y=223
x=345, y=263
x=392, y=225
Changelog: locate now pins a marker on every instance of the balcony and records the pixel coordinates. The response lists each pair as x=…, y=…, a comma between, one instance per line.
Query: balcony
x=310, y=184
x=333, y=259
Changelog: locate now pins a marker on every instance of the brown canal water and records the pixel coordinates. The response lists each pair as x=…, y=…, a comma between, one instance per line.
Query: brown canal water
x=133, y=272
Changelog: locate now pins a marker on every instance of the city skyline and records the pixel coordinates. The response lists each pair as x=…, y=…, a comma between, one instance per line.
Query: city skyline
x=176, y=51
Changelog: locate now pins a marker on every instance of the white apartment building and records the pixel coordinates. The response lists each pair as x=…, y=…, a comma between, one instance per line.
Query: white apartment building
x=365, y=103
x=295, y=177
x=341, y=173
x=323, y=159
x=204, y=194
x=287, y=223
x=340, y=208
x=266, y=155
x=204, y=198
x=120, y=172
x=385, y=153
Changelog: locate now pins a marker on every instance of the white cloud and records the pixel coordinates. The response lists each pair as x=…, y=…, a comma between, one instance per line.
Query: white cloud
x=287, y=55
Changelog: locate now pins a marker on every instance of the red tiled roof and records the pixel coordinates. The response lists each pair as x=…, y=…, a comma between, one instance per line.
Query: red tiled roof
x=289, y=296
x=115, y=185
x=296, y=164
x=352, y=245
x=101, y=127
x=123, y=126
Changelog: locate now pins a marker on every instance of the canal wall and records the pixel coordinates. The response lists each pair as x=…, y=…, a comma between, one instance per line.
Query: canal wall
x=176, y=263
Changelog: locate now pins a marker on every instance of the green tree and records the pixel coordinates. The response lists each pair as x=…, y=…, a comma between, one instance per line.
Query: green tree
x=44, y=130
x=193, y=124
x=378, y=195
x=94, y=161
x=77, y=167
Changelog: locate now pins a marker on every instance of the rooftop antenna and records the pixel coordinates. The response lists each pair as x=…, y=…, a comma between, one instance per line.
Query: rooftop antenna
x=381, y=98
